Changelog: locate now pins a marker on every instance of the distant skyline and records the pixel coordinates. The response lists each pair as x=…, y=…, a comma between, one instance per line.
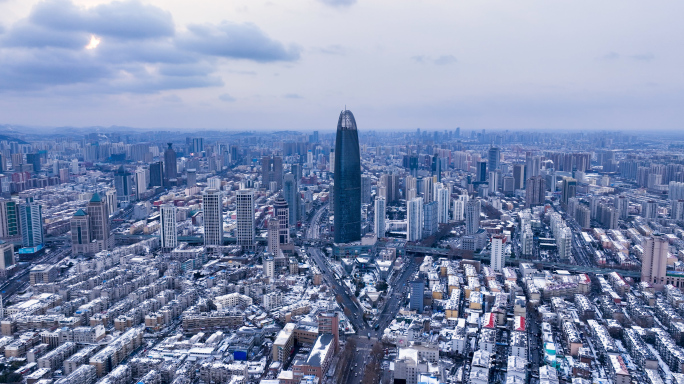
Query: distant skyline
x=251, y=65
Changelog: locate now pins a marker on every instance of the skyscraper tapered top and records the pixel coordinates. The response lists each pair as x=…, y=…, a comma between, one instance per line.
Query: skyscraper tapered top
x=347, y=121
x=347, y=187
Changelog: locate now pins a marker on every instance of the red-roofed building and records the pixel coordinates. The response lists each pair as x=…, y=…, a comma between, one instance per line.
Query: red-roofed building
x=519, y=324
x=489, y=320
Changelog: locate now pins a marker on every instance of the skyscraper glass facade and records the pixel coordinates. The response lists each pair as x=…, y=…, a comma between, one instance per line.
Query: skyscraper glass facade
x=347, y=189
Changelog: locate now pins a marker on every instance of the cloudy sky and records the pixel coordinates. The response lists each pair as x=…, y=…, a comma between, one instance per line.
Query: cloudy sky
x=294, y=64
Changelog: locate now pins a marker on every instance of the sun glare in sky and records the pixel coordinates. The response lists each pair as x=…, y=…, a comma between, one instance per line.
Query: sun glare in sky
x=93, y=43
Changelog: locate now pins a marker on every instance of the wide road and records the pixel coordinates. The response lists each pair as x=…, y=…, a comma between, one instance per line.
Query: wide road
x=364, y=342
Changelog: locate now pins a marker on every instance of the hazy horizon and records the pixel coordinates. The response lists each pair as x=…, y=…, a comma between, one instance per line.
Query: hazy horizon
x=270, y=66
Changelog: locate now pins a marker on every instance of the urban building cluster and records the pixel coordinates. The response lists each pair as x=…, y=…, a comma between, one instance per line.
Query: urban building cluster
x=345, y=256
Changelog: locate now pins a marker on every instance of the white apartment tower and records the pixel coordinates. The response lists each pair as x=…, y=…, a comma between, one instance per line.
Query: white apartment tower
x=414, y=213
x=214, y=183
x=273, y=236
x=443, y=204
x=497, y=259
x=245, y=218
x=472, y=215
x=212, y=207
x=459, y=207
x=269, y=266
x=654, y=261
x=380, y=211
x=168, y=233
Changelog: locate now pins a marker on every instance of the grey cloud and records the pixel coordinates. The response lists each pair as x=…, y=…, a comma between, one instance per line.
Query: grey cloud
x=126, y=20
x=39, y=69
x=236, y=41
x=445, y=59
x=227, y=97
x=25, y=34
x=292, y=96
x=338, y=3
x=139, y=52
x=418, y=58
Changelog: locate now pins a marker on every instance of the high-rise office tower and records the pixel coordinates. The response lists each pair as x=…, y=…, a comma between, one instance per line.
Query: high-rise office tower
x=437, y=168
x=168, y=231
x=414, y=213
x=417, y=292
x=6, y=261
x=141, y=181
x=197, y=145
x=518, y=176
x=31, y=219
x=157, y=174
x=430, y=225
x=170, y=166
x=569, y=190
x=192, y=177
x=493, y=181
x=296, y=170
x=272, y=170
x=494, y=159
x=347, y=195
x=497, y=255
x=391, y=184
x=80, y=233
x=212, y=207
x=535, y=193
x=282, y=213
x=34, y=160
x=365, y=189
x=245, y=219
x=98, y=214
x=380, y=211
x=654, y=260
x=481, y=171
x=413, y=165
x=9, y=219
x=292, y=197
x=123, y=182
x=443, y=205
x=112, y=200
x=273, y=236
x=472, y=213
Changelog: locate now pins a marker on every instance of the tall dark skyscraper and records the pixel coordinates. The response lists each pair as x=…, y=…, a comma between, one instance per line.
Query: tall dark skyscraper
x=347, y=189
x=437, y=168
x=170, y=163
x=494, y=158
x=157, y=174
